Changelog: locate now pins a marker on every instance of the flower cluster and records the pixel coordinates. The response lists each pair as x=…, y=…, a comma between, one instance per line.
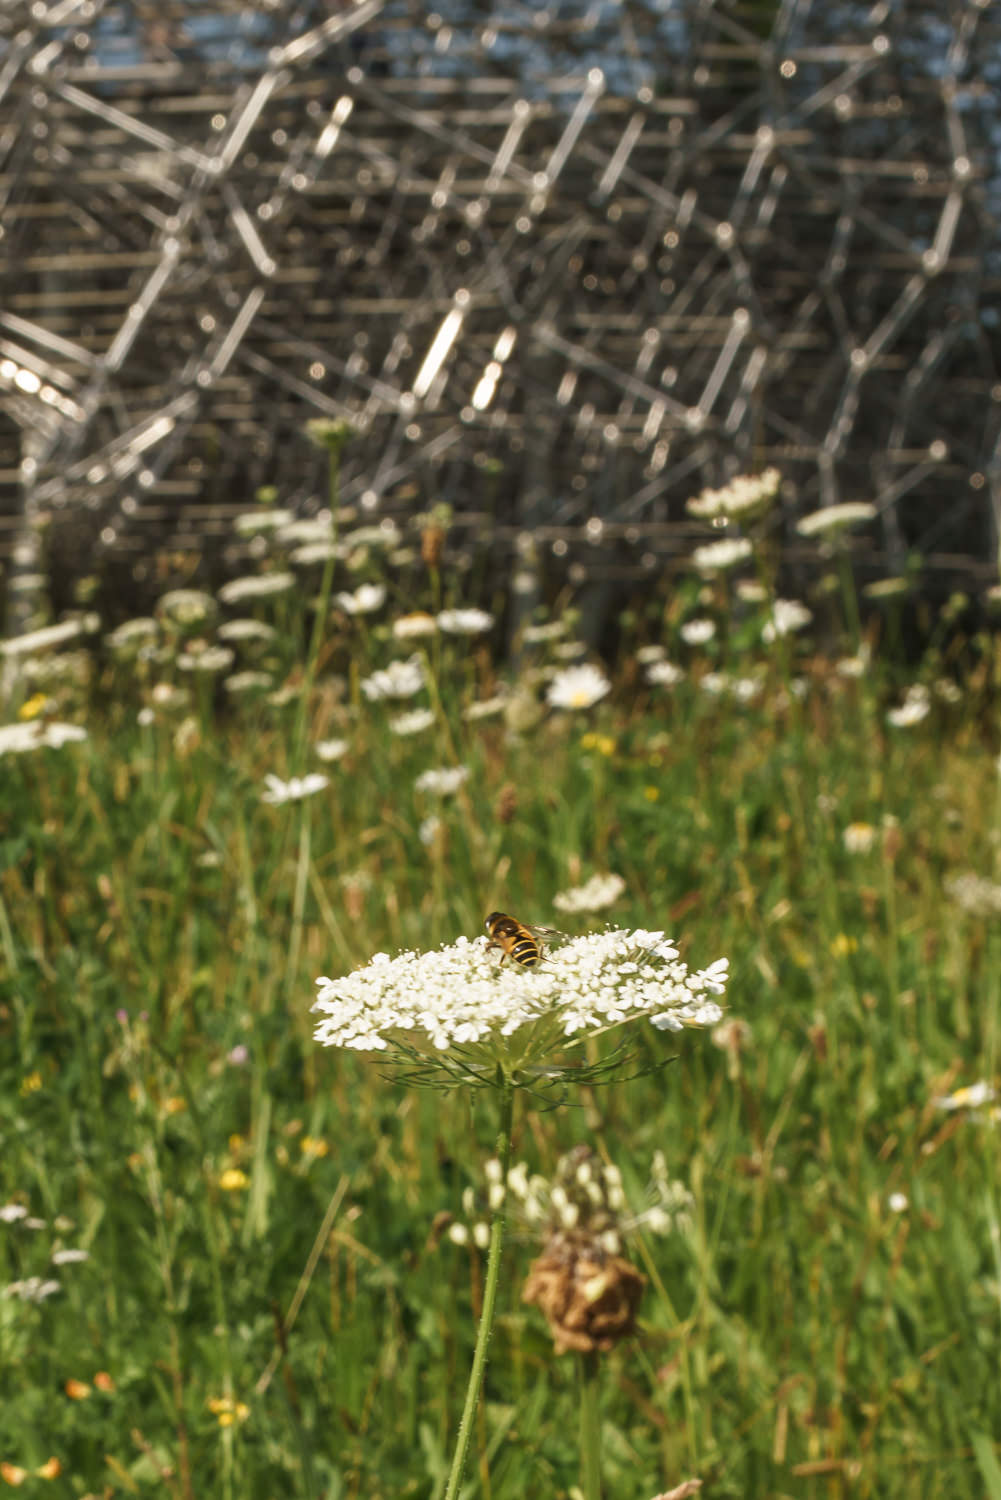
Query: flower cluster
x=461, y=997
x=741, y=497
x=594, y=895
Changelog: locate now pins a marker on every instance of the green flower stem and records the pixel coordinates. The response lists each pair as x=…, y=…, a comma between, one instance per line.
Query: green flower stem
x=590, y=1428
x=489, y=1300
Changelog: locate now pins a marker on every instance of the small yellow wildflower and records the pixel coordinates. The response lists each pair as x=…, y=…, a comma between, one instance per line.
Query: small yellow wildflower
x=13, y=1473
x=77, y=1390
x=842, y=945
x=33, y=706
x=603, y=743
x=175, y=1105
x=32, y=1083
x=236, y=1143
x=652, y=793
x=104, y=1381
x=314, y=1146
x=227, y=1411
x=51, y=1469
x=233, y=1180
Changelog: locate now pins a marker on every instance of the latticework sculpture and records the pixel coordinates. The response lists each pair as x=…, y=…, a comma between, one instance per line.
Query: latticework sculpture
x=558, y=267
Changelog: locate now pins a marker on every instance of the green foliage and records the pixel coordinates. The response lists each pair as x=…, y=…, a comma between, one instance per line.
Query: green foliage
x=265, y=1286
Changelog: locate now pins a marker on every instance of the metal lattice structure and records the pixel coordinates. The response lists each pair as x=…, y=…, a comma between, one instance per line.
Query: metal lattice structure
x=559, y=267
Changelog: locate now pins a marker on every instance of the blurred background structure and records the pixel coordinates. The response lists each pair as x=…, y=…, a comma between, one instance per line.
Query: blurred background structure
x=558, y=266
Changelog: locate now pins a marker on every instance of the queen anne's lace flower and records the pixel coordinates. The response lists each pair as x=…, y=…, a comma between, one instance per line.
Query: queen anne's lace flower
x=464, y=621
x=279, y=792
x=597, y=893
x=256, y=586
x=461, y=997
x=716, y=557
x=18, y=739
x=401, y=679
x=743, y=495
x=787, y=615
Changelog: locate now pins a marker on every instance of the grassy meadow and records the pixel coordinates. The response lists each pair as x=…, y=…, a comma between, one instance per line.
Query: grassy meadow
x=224, y=1265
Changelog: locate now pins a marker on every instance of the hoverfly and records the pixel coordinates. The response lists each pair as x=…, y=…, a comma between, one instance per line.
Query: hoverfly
x=522, y=944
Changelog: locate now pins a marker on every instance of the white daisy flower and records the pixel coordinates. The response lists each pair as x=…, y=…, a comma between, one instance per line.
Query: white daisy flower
x=279, y=792
x=858, y=838
x=11, y=1212
x=898, y=1203
x=69, y=1257
x=577, y=687
x=975, y=1096
x=460, y=997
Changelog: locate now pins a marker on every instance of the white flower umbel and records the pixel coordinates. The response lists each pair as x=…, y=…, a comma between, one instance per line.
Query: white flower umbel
x=414, y=627
x=331, y=749
x=444, y=782
x=414, y=722
x=38, y=734
x=663, y=674
x=401, y=679
x=43, y=639
x=787, y=615
x=697, y=632
x=741, y=497
x=597, y=893
x=914, y=708
x=716, y=557
x=834, y=518
x=464, y=621
x=365, y=600
x=279, y=792
x=459, y=1000
x=578, y=687
x=256, y=586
